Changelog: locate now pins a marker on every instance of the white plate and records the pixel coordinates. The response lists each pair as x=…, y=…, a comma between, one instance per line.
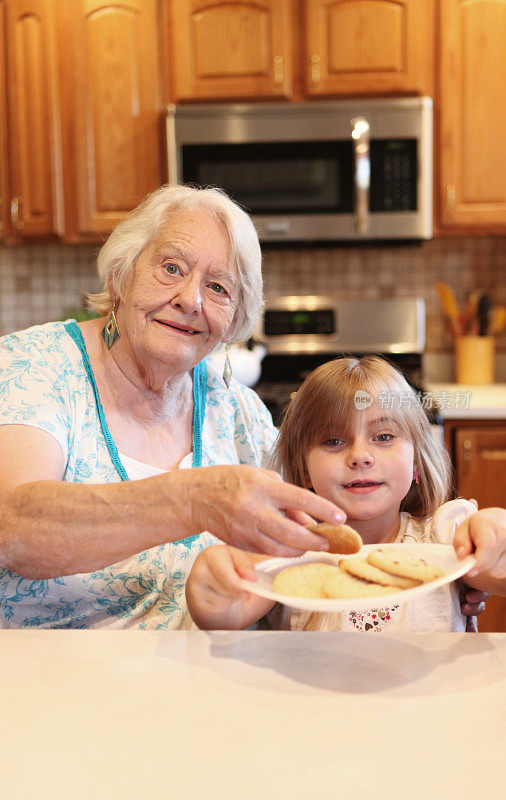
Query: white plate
x=441, y=555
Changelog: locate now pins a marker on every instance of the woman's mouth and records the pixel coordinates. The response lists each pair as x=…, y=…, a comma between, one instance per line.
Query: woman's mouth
x=178, y=328
x=362, y=487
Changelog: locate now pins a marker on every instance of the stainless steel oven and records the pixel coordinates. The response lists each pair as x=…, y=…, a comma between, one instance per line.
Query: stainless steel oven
x=335, y=170
x=300, y=332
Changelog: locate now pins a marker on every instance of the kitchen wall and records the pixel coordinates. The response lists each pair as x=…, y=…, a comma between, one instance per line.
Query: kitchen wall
x=43, y=282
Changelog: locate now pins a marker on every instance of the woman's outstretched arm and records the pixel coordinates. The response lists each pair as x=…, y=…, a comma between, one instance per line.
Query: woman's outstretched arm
x=50, y=528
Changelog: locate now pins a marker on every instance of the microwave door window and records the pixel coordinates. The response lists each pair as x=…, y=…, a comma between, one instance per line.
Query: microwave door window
x=289, y=184
x=277, y=177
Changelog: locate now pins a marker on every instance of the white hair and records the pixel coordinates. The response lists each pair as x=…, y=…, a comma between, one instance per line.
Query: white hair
x=118, y=256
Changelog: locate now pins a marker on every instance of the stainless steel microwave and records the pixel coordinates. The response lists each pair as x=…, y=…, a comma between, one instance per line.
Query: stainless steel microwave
x=326, y=171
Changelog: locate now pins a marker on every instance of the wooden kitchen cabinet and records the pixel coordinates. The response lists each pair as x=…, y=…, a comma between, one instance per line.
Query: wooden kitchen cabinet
x=478, y=450
x=108, y=70
x=472, y=107
x=32, y=119
x=4, y=162
x=83, y=114
x=356, y=47
x=480, y=462
x=253, y=49
x=231, y=49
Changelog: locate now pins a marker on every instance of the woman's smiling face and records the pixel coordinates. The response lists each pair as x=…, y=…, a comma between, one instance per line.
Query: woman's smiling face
x=181, y=299
x=366, y=473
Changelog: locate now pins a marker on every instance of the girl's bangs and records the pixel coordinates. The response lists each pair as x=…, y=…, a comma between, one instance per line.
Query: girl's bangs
x=359, y=389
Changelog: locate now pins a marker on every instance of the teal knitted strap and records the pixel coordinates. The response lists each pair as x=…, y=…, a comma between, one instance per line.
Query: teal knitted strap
x=199, y=409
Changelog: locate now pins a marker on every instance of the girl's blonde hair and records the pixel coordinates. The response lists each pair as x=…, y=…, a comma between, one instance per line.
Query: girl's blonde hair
x=327, y=404
x=118, y=256
x=328, y=400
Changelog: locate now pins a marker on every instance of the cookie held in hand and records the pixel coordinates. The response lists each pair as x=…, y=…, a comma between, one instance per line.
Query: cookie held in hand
x=342, y=538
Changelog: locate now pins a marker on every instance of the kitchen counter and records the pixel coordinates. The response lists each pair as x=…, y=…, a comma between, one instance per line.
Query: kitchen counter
x=462, y=401
x=129, y=714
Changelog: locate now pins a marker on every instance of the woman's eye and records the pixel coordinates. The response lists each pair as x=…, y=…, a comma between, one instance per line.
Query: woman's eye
x=218, y=288
x=171, y=269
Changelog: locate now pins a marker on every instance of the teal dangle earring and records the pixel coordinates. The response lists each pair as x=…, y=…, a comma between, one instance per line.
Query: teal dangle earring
x=227, y=368
x=110, y=331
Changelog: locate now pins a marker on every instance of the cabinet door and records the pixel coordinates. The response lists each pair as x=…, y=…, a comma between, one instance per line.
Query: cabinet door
x=472, y=157
x=369, y=46
x=109, y=76
x=231, y=48
x=480, y=461
x=32, y=117
x=4, y=188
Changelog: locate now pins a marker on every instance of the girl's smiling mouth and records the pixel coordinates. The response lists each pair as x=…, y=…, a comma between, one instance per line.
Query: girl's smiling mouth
x=362, y=487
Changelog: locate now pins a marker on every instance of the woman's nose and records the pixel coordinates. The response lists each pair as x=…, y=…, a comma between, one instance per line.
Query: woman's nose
x=188, y=296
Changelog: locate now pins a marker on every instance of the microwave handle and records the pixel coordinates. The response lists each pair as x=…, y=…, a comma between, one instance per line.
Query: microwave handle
x=360, y=135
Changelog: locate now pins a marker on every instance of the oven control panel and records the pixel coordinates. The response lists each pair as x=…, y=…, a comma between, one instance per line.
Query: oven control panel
x=299, y=324
x=312, y=324
x=284, y=322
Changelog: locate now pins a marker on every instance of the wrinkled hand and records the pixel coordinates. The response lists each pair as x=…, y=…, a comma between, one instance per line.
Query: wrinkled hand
x=484, y=534
x=255, y=510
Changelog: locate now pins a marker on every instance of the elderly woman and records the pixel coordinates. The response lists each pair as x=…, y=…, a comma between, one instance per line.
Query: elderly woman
x=100, y=519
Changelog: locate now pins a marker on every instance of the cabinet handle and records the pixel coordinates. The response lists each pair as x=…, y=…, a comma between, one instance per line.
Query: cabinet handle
x=16, y=220
x=278, y=69
x=315, y=69
x=467, y=447
x=450, y=197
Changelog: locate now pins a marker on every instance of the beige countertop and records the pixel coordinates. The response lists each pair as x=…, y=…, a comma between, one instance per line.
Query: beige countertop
x=462, y=401
x=217, y=715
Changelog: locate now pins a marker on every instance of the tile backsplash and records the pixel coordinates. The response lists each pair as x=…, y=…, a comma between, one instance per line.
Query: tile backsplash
x=44, y=282
x=39, y=283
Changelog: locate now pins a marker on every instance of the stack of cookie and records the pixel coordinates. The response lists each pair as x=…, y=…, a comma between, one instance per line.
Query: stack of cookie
x=384, y=571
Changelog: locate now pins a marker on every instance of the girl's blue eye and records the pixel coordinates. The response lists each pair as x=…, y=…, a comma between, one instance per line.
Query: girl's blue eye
x=384, y=437
x=333, y=442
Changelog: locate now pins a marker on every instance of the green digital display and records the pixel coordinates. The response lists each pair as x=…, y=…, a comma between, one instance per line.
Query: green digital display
x=300, y=318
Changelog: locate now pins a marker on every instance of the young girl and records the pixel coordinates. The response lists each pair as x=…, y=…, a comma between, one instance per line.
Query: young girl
x=356, y=434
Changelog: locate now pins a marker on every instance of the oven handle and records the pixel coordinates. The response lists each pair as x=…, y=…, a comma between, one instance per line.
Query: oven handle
x=360, y=136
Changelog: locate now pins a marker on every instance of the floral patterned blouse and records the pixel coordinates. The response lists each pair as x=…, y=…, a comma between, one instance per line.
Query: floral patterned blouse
x=46, y=381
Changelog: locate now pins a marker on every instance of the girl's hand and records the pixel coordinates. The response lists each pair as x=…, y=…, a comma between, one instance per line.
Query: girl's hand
x=254, y=509
x=214, y=592
x=484, y=533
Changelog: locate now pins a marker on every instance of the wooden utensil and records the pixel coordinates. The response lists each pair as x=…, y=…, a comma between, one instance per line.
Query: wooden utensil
x=468, y=318
x=450, y=307
x=498, y=320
